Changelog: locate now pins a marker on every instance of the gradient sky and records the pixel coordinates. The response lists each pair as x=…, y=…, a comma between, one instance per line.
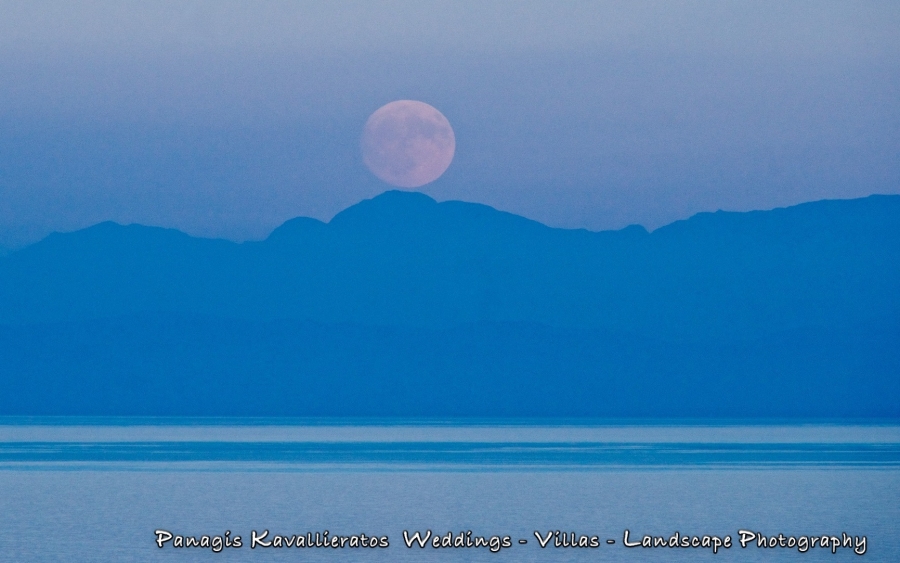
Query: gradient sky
x=227, y=118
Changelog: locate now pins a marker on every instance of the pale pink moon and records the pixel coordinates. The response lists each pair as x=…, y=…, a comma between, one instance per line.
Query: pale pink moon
x=408, y=143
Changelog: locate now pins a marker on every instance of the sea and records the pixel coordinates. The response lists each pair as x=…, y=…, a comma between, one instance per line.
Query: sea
x=150, y=489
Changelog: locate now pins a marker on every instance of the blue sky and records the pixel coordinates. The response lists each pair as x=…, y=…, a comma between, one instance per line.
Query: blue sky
x=226, y=118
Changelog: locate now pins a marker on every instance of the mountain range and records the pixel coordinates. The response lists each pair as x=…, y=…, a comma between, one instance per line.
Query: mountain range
x=404, y=307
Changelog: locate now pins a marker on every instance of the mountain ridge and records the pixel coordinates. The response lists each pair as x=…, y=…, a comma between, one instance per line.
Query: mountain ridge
x=401, y=292
x=315, y=223
x=496, y=266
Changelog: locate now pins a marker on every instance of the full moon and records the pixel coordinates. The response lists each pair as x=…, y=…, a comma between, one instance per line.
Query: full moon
x=408, y=143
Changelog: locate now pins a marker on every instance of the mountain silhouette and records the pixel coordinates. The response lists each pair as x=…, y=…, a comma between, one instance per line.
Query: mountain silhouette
x=402, y=306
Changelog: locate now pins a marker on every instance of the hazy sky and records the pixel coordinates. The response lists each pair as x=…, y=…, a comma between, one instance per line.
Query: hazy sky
x=227, y=118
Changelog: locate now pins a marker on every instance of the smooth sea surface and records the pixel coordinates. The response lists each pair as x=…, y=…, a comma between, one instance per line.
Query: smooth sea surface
x=98, y=489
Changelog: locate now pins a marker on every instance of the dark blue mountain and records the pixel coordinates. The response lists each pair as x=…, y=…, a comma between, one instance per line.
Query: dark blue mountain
x=401, y=306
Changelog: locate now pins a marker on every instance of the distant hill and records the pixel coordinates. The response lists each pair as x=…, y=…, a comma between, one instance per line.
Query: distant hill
x=401, y=306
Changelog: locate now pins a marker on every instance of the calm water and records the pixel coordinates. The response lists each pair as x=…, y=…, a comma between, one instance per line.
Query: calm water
x=96, y=490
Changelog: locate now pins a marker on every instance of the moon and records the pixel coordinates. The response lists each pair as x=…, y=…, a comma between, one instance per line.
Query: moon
x=408, y=143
